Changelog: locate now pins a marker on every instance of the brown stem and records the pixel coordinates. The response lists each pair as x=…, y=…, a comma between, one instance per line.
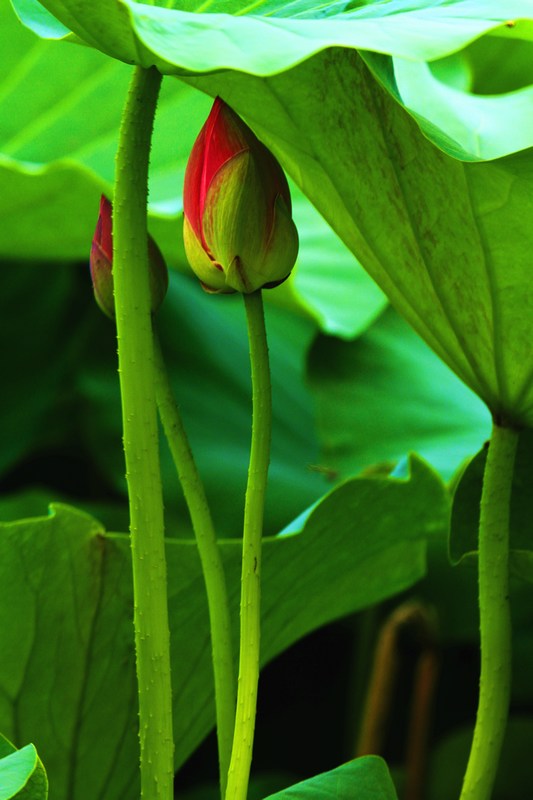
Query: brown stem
x=380, y=695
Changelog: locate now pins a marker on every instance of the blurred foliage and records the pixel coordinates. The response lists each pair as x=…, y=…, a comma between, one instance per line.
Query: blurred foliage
x=386, y=393
x=516, y=775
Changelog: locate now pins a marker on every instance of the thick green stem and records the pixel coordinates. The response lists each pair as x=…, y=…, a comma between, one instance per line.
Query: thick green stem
x=241, y=755
x=495, y=616
x=139, y=414
x=210, y=556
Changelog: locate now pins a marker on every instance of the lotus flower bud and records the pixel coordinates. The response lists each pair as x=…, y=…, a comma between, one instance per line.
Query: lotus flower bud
x=238, y=230
x=101, y=261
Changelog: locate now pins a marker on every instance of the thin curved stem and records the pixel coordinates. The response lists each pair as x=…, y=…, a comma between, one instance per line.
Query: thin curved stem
x=210, y=557
x=141, y=446
x=241, y=755
x=495, y=616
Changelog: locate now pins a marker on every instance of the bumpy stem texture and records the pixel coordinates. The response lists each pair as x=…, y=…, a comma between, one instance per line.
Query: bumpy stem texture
x=241, y=756
x=495, y=616
x=210, y=557
x=135, y=349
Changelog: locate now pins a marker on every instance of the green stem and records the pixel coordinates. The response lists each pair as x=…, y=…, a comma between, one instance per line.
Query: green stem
x=210, y=556
x=139, y=414
x=241, y=755
x=495, y=616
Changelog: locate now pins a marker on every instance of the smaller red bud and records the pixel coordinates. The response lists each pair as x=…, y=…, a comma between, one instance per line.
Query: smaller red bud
x=101, y=262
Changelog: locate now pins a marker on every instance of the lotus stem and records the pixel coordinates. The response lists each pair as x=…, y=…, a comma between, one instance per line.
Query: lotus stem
x=495, y=616
x=210, y=557
x=141, y=446
x=241, y=756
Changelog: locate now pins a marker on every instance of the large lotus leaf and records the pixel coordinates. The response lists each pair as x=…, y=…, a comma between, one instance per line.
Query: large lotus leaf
x=385, y=394
x=269, y=37
x=67, y=672
x=449, y=242
x=262, y=39
x=59, y=116
x=467, y=101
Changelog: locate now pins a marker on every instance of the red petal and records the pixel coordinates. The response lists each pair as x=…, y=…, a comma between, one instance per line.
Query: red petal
x=222, y=137
x=102, y=235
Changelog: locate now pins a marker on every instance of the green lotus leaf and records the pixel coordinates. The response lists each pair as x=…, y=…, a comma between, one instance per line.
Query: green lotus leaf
x=367, y=778
x=67, y=673
x=270, y=37
x=448, y=241
x=181, y=37
x=385, y=394
x=22, y=775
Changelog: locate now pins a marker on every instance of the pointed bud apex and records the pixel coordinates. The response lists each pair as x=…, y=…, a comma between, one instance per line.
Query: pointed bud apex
x=101, y=262
x=238, y=230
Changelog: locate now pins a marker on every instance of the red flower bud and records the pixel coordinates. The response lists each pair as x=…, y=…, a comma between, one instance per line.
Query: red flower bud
x=101, y=262
x=238, y=230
